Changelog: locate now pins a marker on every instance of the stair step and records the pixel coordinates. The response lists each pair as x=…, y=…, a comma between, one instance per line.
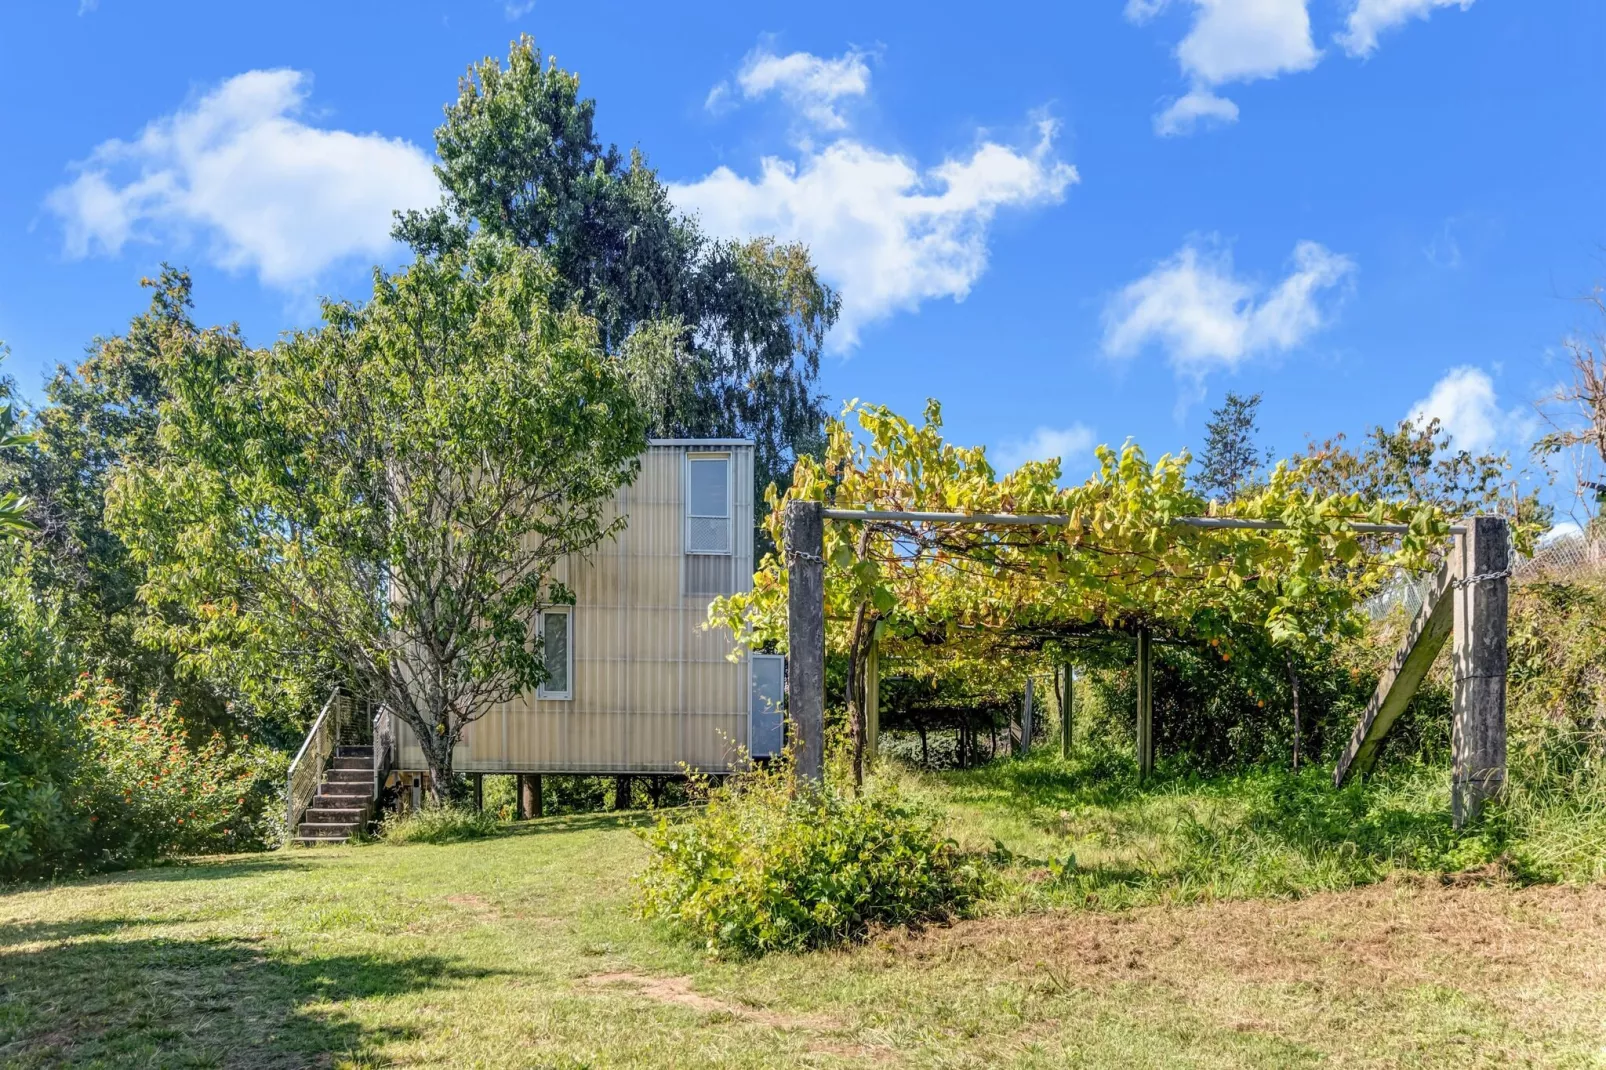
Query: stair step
x=333, y=813
x=313, y=840
x=322, y=828
x=354, y=752
x=349, y=776
x=365, y=765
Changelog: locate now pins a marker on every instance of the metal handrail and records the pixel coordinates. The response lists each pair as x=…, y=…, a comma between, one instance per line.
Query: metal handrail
x=384, y=744
x=300, y=787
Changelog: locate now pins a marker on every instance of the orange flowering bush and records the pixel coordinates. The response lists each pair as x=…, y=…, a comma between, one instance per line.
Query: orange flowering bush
x=159, y=792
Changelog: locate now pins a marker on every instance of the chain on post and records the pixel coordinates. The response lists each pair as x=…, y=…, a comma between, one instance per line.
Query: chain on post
x=1483, y=577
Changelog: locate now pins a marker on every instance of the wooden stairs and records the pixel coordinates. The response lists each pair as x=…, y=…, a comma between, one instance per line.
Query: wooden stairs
x=344, y=800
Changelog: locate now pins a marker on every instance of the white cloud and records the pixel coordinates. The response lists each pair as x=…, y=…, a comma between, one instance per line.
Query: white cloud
x=1466, y=406
x=1067, y=443
x=1187, y=112
x=887, y=234
x=810, y=84
x=1231, y=41
x=268, y=192
x=1369, y=18
x=1565, y=529
x=1242, y=40
x=1204, y=317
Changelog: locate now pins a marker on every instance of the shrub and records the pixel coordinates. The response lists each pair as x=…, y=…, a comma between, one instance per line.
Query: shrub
x=763, y=869
x=154, y=793
x=442, y=824
x=41, y=749
x=84, y=785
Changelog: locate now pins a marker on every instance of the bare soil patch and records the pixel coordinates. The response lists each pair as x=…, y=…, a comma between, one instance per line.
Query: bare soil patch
x=679, y=991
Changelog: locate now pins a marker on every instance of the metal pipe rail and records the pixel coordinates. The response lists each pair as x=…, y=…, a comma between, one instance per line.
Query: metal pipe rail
x=301, y=779
x=1059, y=520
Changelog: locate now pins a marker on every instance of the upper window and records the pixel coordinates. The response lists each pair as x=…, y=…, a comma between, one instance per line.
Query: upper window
x=708, y=504
x=557, y=653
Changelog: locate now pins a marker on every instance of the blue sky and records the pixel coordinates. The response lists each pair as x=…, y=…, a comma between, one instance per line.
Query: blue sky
x=1071, y=223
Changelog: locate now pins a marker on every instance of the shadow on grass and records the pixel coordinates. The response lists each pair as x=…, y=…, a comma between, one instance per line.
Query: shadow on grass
x=210, y=869
x=1048, y=783
x=592, y=822
x=104, y=1001
x=1185, y=835
x=35, y=932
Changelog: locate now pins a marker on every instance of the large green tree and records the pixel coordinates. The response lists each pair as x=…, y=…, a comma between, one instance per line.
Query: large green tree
x=1415, y=463
x=728, y=332
x=1231, y=458
x=395, y=487
x=13, y=506
x=96, y=417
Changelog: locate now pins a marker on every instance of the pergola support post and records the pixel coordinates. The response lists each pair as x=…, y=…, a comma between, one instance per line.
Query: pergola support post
x=1478, y=657
x=1067, y=708
x=1145, y=703
x=872, y=701
x=1026, y=713
x=805, y=622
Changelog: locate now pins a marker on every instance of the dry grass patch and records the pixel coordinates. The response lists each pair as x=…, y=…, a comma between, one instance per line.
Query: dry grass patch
x=1399, y=974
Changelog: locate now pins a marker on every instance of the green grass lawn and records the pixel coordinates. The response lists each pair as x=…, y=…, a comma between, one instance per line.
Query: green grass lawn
x=521, y=951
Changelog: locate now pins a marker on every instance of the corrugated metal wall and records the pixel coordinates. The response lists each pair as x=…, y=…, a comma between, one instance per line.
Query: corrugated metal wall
x=652, y=688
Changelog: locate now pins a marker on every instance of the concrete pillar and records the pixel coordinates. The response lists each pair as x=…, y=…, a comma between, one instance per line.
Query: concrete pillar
x=805, y=625
x=1145, y=703
x=1478, y=660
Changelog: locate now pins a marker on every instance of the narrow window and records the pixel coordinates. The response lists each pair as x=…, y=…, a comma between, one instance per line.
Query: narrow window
x=708, y=504
x=557, y=652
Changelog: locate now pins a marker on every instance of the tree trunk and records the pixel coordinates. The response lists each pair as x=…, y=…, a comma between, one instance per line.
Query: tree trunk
x=621, y=793
x=437, y=750
x=925, y=751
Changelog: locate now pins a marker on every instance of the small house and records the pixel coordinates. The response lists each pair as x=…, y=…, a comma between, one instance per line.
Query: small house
x=636, y=683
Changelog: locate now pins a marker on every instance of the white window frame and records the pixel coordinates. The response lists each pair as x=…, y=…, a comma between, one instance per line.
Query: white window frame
x=696, y=457
x=567, y=612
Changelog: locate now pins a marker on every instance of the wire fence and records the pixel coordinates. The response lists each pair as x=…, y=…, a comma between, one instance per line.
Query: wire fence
x=1567, y=557
x=1562, y=559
